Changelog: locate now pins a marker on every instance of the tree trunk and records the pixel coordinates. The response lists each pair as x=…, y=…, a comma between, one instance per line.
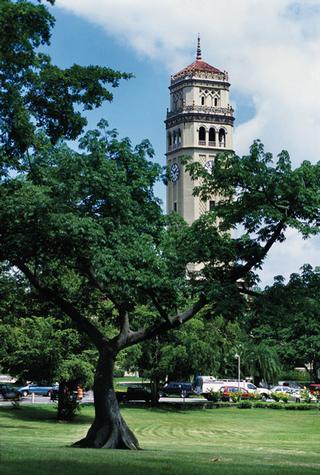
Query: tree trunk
x=155, y=385
x=108, y=430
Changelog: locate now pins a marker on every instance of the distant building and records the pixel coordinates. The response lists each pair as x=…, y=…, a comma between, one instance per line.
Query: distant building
x=199, y=124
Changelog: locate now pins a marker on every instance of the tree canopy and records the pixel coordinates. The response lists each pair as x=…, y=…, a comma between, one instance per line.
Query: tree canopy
x=287, y=317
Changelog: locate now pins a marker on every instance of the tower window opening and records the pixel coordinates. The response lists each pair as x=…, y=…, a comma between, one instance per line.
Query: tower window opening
x=212, y=205
x=169, y=139
x=222, y=138
x=215, y=102
x=202, y=136
x=179, y=139
x=212, y=137
x=174, y=138
x=175, y=207
x=202, y=100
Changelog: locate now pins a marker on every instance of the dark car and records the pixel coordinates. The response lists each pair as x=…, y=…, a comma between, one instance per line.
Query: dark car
x=182, y=389
x=9, y=392
x=133, y=392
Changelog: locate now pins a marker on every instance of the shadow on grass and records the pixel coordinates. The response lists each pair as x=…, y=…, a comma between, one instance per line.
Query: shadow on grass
x=41, y=414
x=48, y=413
x=164, y=408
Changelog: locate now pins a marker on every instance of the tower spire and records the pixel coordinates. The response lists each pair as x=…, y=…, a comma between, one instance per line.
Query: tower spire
x=199, y=55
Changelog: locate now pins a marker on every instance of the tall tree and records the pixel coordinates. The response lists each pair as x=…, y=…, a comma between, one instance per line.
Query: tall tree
x=86, y=229
x=287, y=317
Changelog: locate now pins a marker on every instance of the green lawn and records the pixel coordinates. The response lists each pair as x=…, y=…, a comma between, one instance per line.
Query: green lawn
x=197, y=442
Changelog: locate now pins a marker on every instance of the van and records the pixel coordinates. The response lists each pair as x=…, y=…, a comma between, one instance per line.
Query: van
x=204, y=385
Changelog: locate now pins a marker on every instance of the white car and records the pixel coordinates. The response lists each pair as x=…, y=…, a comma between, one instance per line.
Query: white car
x=296, y=395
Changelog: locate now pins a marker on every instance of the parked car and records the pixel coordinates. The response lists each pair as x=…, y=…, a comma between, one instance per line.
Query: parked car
x=126, y=392
x=291, y=384
x=41, y=389
x=226, y=392
x=252, y=388
x=303, y=395
x=182, y=389
x=7, y=391
x=205, y=385
x=295, y=395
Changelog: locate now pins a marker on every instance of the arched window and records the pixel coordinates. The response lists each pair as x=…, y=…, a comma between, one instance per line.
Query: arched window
x=212, y=137
x=202, y=136
x=174, y=140
x=222, y=138
x=215, y=101
x=179, y=136
x=169, y=139
x=202, y=100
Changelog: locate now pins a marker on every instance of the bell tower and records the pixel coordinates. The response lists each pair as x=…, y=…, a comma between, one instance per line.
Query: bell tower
x=199, y=124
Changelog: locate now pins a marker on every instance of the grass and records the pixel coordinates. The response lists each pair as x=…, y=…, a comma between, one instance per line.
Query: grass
x=197, y=442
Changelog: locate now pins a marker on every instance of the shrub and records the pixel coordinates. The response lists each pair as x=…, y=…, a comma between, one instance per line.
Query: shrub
x=213, y=396
x=300, y=407
x=305, y=395
x=235, y=396
x=255, y=396
x=280, y=396
x=260, y=404
x=275, y=405
x=244, y=405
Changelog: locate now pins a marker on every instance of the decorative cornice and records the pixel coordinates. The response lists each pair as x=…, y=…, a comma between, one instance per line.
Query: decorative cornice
x=198, y=117
x=196, y=81
x=198, y=149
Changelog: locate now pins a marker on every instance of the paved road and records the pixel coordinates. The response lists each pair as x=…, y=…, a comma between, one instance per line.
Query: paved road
x=88, y=397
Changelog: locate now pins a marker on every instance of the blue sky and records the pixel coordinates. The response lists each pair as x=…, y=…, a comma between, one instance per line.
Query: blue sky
x=139, y=106
x=270, y=49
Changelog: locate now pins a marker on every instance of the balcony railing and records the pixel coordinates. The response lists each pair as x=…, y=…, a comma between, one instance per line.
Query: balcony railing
x=228, y=111
x=212, y=144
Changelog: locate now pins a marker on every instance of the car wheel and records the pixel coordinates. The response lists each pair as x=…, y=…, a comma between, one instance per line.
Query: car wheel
x=24, y=393
x=264, y=397
x=297, y=399
x=49, y=393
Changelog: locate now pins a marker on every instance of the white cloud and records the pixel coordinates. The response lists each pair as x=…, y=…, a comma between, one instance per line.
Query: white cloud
x=287, y=258
x=270, y=48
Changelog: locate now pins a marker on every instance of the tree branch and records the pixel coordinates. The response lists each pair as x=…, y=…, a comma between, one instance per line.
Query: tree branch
x=249, y=292
x=90, y=273
x=121, y=340
x=82, y=323
x=170, y=323
x=163, y=314
x=241, y=271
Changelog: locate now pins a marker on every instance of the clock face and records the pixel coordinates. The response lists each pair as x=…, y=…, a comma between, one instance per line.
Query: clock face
x=209, y=166
x=174, y=172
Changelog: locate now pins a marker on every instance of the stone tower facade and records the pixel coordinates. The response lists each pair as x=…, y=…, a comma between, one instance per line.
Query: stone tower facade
x=199, y=124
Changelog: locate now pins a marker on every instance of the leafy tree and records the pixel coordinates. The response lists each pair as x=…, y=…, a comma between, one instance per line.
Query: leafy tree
x=287, y=317
x=261, y=361
x=35, y=94
x=86, y=230
x=206, y=343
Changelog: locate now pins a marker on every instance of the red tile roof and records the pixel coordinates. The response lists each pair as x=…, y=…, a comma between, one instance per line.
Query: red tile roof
x=198, y=65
